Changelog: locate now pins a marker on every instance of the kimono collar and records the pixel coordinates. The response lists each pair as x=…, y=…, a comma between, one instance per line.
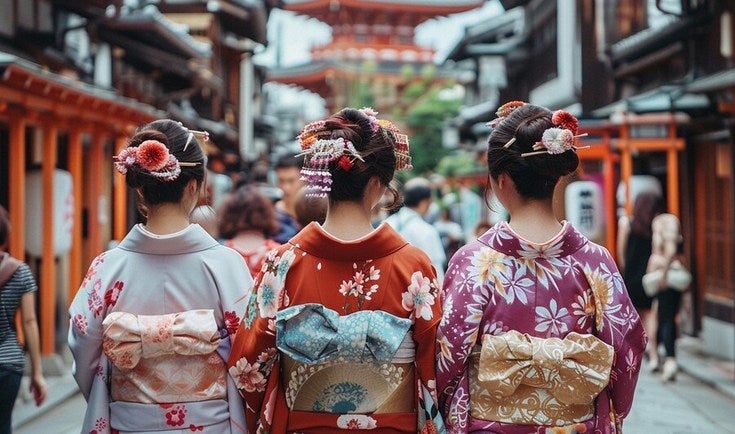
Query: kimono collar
x=314, y=240
x=191, y=239
x=503, y=239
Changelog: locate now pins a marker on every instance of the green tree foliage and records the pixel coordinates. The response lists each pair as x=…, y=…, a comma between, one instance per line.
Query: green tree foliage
x=425, y=118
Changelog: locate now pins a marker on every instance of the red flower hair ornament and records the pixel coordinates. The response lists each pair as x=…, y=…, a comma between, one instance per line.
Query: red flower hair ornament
x=151, y=157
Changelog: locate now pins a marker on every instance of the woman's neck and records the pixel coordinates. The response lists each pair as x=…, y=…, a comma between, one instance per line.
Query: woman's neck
x=535, y=220
x=348, y=220
x=166, y=219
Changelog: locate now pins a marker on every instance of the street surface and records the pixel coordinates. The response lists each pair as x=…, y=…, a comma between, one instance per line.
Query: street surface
x=684, y=407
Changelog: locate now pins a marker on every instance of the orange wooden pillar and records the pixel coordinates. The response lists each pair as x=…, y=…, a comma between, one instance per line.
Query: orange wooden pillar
x=119, y=205
x=94, y=164
x=672, y=168
x=47, y=295
x=75, y=255
x=17, y=180
x=626, y=166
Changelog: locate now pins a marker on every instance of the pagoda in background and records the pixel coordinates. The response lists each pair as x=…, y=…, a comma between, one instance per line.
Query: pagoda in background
x=372, y=55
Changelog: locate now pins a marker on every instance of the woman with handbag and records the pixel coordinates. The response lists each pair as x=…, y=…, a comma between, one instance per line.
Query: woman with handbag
x=667, y=260
x=634, y=248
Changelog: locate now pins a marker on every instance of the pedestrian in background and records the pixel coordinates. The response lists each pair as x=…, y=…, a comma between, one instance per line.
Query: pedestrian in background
x=667, y=249
x=151, y=322
x=538, y=332
x=247, y=219
x=634, y=245
x=340, y=331
x=17, y=292
x=288, y=179
x=409, y=222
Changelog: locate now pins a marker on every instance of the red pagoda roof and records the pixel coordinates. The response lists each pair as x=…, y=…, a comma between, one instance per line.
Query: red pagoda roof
x=334, y=11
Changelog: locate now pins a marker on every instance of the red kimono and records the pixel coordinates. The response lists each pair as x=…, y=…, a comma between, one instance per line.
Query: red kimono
x=340, y=336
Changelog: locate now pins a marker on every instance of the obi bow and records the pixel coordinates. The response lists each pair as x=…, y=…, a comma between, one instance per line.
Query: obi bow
x=574, y=370
x=312, y=333
x=127, y=337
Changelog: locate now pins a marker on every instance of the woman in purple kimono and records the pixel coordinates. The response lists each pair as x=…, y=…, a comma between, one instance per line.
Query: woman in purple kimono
x=538, y=334
x=151, y=323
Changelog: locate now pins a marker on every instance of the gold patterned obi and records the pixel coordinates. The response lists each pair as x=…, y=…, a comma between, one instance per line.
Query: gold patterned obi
x=358, y=363
x=164, y=358
x=520, y=379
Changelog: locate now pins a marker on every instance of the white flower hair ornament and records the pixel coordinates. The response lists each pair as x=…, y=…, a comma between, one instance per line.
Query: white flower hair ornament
x=557, y=139
x=318, y=155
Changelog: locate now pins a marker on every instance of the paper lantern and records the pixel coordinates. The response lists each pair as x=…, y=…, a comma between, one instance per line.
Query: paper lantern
x=63, y=215
x=585, y=208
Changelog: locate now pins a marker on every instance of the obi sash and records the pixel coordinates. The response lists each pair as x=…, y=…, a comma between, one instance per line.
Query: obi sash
x=358, y=363
x=164, y=358
x=520, y=379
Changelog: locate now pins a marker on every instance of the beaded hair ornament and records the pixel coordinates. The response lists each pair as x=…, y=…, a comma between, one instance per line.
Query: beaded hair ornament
x=555, y=140
x=320, y=151
x=153, y=158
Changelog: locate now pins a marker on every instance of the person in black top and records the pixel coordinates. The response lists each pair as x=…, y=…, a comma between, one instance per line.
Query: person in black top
x=634, y=250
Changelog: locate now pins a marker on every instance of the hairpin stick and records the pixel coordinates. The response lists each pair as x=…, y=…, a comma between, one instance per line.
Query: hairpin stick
x=187, y=164
x=509, y=142
x=528, y=154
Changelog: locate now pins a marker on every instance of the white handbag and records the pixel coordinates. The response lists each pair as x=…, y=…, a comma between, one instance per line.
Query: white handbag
x=677, y=277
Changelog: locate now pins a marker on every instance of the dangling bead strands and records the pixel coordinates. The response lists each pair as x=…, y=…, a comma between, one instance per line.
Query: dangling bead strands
x=319, y=155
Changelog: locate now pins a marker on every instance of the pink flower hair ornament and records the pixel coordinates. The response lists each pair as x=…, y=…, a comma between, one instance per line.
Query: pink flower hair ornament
x=318, y=157
x=151, y=157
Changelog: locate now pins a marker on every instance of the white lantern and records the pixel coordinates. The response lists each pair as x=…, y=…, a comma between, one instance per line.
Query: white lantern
x=585, y=208
x=63, y=214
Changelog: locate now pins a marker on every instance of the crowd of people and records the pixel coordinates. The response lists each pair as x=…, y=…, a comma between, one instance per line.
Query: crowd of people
x=323, y=306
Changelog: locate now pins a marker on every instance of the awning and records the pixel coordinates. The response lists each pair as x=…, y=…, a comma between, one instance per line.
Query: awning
x=664, y=99
x=24, y=83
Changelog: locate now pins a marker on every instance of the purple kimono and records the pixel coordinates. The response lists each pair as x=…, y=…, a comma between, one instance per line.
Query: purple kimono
x=526, y=333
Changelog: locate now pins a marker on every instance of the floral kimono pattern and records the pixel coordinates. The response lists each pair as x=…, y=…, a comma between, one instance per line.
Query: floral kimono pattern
x=340, y=336
x=150, y=334
x=504, y=291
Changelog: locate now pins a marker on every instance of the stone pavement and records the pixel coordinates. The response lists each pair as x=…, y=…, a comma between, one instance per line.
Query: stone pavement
x=701, y=401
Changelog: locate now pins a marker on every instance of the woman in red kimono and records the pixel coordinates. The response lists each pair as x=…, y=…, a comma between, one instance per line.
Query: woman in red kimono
x=339, y=333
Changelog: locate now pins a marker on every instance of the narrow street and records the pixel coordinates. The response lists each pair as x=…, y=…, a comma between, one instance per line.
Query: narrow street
x=686, y=406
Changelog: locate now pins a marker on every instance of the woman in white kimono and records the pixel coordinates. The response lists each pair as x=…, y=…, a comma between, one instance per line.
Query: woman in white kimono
x=151, y=324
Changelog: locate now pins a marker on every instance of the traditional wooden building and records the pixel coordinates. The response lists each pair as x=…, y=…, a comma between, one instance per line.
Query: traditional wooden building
x=652, y=81
x=372, y=55
x=76, y=79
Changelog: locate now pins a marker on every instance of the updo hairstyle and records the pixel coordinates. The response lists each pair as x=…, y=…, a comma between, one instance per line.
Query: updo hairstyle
x=535, y=176
x=155, y=191
x=375, y=148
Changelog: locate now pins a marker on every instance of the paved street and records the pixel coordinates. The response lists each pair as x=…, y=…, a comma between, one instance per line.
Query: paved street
x=687, y=406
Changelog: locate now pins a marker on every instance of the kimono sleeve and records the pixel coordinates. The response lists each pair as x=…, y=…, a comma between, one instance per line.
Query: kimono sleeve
x=87, y=311
x=618, y=325
x=254, y=351
x=456, y=336
x=234, y=285
x=423, y=297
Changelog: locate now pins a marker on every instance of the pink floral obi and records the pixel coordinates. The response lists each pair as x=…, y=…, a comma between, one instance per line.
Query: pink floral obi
x=520, y=379
x=164, y=358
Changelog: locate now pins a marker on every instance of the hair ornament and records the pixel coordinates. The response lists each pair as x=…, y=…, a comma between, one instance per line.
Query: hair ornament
x=401, y=148
x=151, y=157
x=318, y=157
x=372, y=116
x=559, y=138
x=200, y=136
x=503, y=112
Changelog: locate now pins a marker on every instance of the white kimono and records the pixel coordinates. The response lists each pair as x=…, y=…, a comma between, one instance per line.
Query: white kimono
x=150, y=334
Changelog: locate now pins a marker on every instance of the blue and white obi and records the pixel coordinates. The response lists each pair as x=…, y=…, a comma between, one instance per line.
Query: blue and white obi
x=357, y=363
